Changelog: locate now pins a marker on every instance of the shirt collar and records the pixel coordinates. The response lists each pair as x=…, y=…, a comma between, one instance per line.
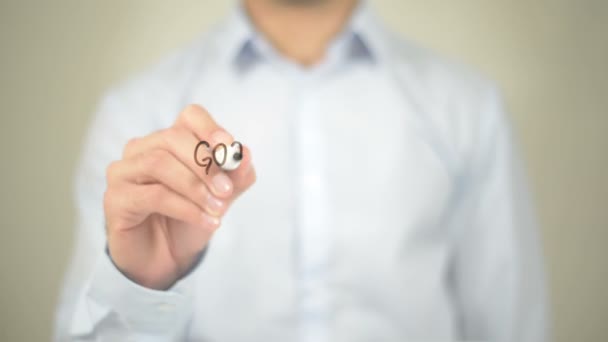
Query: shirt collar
x=244, y=46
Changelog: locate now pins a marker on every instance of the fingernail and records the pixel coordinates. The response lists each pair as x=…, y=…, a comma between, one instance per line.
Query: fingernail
x=222, y=184
x=212, y=221
x=221, y=136
x=215, y=205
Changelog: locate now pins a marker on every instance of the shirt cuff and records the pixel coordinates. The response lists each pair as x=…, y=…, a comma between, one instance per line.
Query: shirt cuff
x=143, y=310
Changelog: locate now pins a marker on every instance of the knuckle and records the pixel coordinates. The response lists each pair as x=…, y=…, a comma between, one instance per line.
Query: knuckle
x=168, y=137
x=193, y=108
x=111, y=170
x=130, y=145
x=154, y=160
x=108, y=198
x=177, y=133
x=190, y=112
x=113, y=202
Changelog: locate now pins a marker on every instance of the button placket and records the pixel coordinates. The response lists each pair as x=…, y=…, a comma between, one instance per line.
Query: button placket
x=312, y=219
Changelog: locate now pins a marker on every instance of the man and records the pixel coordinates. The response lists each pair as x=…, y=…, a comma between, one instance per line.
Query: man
x=388, y=206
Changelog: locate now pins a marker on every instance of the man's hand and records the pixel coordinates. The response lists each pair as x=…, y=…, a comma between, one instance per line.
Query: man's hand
x=160, y=207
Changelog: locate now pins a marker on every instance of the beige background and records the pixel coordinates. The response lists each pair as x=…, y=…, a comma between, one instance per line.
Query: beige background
x=549, y=56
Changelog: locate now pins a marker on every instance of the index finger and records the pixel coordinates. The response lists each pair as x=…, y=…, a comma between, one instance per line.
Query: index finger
x=197, y=120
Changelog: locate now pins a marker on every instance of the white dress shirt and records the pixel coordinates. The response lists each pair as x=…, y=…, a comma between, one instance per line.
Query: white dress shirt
x=389, y=204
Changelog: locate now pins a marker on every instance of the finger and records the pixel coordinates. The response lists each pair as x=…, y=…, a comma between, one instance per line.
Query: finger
x=131, y=204
x=160, y=166
x=182, y=144
x=197, y=120
x=178, y=141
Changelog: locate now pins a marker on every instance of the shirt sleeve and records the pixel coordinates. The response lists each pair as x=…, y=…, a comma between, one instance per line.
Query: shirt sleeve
x=98, y=303
x=497, y=276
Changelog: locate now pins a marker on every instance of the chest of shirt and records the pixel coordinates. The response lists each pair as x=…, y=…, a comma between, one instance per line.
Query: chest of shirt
x=381, y=191
x=356, y=136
